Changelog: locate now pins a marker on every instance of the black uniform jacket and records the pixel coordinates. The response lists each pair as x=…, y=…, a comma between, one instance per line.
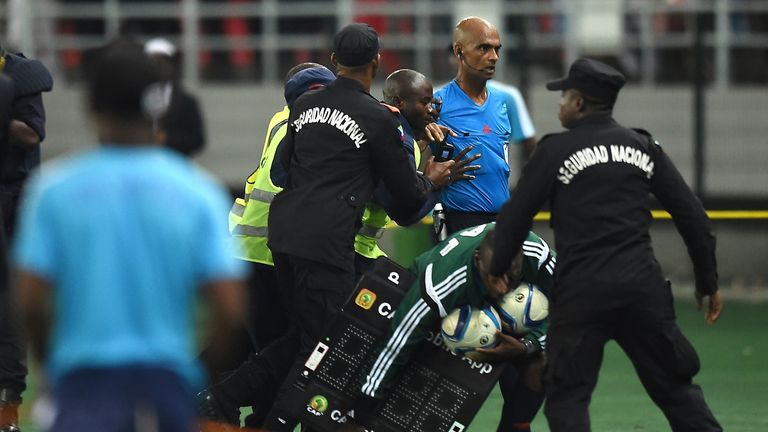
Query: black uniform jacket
x=30, y=79
x=598, y=177
x=340, y=142
x=184, y=123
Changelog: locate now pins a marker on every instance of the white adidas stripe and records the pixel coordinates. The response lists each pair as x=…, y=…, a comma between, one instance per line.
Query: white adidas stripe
x=406, y=327
x=390, y=352
x=538, y=250
x=405, y=335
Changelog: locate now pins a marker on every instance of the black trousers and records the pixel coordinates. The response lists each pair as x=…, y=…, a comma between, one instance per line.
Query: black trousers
x=313, y=293
x=521, y=403
x=265, y=306
x=9, y=202
x=457, y=221
x=13, y=367
x=266, y=323
x=642, y=321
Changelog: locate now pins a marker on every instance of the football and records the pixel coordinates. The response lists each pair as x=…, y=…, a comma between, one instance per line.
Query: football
x=522, y=308
x=468, y=328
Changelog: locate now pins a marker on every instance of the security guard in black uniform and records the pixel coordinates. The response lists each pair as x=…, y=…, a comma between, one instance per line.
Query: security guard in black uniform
x=340, y=142
x=598, y=177
x=23, y=129
x=20, y=151
x=13, y=368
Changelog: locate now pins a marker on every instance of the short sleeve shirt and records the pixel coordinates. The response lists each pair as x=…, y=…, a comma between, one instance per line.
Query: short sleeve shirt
x=125, y=236
x=487, y=128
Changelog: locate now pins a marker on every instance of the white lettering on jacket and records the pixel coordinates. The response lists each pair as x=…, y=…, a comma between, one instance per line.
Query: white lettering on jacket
x=590, y=156
x=333, y=117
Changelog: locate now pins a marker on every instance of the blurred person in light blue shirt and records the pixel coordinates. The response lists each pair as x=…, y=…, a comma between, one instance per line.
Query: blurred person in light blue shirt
x=114, y=246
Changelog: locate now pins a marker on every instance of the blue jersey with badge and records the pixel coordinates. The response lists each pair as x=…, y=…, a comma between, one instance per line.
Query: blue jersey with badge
x=487, y=128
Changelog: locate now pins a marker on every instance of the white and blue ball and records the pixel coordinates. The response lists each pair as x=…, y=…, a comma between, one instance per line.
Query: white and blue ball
x=523, y=308
x=467, y=328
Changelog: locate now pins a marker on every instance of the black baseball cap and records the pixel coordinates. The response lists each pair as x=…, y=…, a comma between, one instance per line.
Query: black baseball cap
x=592, y=78
x=356, y=44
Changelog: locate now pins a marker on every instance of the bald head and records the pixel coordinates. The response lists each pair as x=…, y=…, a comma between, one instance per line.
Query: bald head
x=477, y=45
x=411, y=93
x=402, y=84
x=469, y=29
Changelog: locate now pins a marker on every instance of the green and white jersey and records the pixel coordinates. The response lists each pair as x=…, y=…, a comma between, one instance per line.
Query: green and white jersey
x=448, y=279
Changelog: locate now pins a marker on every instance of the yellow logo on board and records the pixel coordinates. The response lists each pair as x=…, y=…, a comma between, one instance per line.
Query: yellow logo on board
x=365, y=298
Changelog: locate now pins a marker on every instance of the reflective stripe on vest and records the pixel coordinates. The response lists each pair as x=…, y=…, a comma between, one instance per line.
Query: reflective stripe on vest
x=250, y=231
x=371, y=231
x=237, y=209
x=250, y=214
x=261, y=195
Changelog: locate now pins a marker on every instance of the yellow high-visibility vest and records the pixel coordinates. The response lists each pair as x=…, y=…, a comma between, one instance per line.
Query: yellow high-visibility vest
x=249, y=215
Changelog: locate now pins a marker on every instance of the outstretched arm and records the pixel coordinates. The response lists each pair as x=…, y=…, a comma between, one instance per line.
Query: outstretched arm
x=693, y=225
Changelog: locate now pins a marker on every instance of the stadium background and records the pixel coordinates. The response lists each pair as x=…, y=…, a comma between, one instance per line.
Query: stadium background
x=698, y=74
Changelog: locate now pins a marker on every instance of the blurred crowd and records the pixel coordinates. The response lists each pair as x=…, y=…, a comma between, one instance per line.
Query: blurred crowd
x=234, y=55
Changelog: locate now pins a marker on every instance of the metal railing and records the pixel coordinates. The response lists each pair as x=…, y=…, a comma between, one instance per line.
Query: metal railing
x=37, y=20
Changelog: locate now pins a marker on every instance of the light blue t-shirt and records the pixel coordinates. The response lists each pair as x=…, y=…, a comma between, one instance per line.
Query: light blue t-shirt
x=487, y=128
x=517, y=112
x=126, y=236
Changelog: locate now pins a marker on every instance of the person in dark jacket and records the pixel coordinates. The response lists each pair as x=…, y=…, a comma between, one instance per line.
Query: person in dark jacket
x=409, y=96
x=22, y=129
x=341, y=141
x=183, y=123
x=598, y=177
x=12, y=367
x=20, y=150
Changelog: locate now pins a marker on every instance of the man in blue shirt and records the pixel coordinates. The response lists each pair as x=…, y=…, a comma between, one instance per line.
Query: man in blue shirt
x=478, y=115
x=113, y=247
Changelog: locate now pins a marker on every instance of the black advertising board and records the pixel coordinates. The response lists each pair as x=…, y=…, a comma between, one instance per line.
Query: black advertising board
x=437, y=391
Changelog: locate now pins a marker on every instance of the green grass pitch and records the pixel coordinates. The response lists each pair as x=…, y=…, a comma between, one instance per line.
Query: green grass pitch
x=734, y=376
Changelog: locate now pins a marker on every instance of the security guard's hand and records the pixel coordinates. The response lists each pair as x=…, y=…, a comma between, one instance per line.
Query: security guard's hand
x=460, y=170
x=437, y=133
x=438, y=172
x=508, y=349
x=715, y=306
x=497, y=285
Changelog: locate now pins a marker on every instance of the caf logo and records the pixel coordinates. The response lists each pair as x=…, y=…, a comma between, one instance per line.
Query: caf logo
x=318, y=403
x=365, y=298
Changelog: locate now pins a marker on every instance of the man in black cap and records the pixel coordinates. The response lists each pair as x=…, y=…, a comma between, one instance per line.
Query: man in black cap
x=341, y=141
x=597, y=177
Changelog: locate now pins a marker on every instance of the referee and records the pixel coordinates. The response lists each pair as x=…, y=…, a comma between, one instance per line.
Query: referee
x=598, y=177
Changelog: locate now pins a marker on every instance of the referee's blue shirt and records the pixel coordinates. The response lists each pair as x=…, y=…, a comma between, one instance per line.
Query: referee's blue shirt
x=487, y=128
